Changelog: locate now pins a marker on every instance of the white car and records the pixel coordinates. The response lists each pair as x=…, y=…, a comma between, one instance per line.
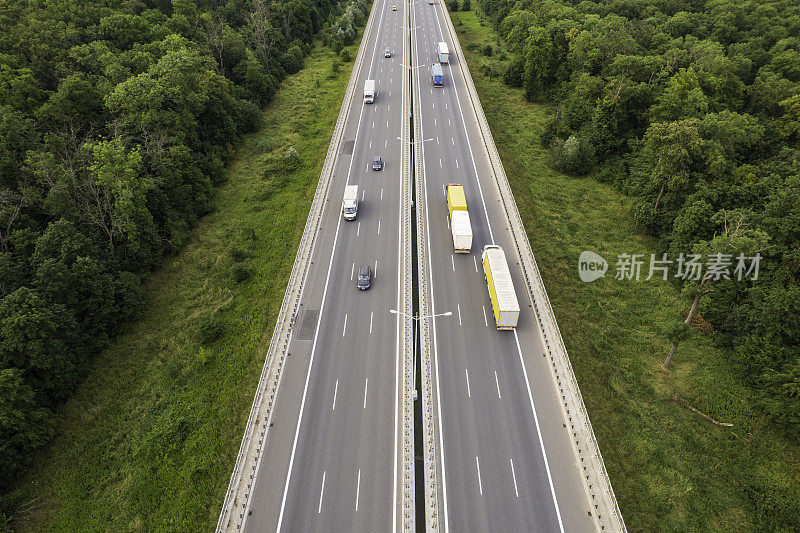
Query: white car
x=387, y=53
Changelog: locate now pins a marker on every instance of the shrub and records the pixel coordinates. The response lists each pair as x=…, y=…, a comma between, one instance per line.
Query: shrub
x=576, y=155
x=291, y=159
x=239, y=273
x=514, y=72
x=238, y=255
x=293, y=60
x=209, y=328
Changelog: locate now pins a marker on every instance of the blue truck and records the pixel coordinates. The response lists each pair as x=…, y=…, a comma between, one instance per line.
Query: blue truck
x=437, y=75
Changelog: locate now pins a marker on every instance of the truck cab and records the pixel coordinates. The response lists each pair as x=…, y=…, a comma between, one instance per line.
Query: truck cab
x=369, y=91
x=350, y=202
x=437, y=75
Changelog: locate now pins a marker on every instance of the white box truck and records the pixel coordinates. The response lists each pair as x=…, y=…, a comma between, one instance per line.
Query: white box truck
x=462, y=232
x=501, y=288
x=369, y=91
x=350, y=202
x=442, y=52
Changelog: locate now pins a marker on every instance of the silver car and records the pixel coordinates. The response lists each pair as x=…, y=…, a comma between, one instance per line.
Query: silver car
x=364, y=277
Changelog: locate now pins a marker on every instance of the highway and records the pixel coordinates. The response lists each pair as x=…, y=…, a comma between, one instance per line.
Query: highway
x=504, y=458
x=329, y=444
x=332, y=455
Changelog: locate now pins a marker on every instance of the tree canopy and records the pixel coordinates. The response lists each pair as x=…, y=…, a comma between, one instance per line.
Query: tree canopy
x=116, y=120
x=693, y=109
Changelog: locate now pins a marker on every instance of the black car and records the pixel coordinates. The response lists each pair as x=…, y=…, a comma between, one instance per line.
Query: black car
x=364, y=277
x=377, y=163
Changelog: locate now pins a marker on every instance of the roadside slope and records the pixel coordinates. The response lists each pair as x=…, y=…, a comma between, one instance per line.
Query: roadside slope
x=150, y=438
x=671, y=469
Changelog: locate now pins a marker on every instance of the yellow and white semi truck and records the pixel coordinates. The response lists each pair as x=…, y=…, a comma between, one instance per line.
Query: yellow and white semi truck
x=501, y=288
x=460, y=225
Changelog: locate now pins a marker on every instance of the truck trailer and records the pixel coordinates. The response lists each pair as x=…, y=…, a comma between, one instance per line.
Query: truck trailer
x=350, y=202
x=460, y=225
x=443, y=52
x=462, y=232
x=456, y=200
x=437, y=75
x=369, y=91
x=501, y=288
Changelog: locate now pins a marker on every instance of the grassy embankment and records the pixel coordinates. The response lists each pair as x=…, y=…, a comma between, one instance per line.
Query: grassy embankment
x=150, y=438
x=672, y=469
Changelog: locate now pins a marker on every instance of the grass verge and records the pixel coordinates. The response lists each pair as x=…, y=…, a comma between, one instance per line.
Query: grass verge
x=671, y=468
x=149, y=440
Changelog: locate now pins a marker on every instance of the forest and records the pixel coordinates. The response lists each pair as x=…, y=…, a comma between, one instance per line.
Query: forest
x=692, y=109
x=116, y=122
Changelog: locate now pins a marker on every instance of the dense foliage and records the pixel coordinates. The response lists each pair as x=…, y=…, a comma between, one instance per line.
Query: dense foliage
x=693, y=109
x=116, y=120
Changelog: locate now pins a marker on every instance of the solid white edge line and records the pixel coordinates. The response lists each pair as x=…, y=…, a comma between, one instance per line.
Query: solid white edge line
x=466, y=135
x=445, y=511
x=516, y=336
x=397, y=385
x=322, y=306
x=539, y=431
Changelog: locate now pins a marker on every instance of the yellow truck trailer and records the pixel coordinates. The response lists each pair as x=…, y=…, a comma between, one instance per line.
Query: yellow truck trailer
x=456, y=200
x=501, y=288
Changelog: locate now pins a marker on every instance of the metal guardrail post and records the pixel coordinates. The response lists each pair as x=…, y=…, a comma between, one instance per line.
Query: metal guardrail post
x=407, y=347
x=596, y=483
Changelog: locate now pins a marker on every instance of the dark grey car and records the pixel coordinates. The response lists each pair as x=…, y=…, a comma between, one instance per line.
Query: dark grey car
x=377, y=163
x=364, y=277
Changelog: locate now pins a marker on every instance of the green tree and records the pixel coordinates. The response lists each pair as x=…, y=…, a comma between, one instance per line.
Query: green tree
x=736, y=237
x=38, y=337
x=120, y=192
x=24, y=425
x=538, y=58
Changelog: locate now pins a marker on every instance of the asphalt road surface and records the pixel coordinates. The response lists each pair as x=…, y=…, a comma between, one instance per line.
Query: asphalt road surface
x=505, y=462
x=331, y=458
